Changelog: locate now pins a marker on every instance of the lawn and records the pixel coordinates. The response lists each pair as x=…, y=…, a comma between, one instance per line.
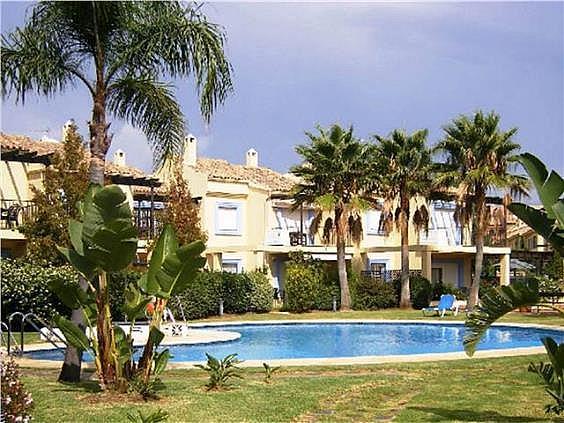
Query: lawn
x=477, y=390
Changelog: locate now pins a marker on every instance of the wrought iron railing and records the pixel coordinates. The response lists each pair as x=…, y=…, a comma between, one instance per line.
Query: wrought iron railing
x=387, y=275
x=14, y=213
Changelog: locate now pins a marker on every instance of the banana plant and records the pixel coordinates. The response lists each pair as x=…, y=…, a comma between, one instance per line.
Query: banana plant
x=548, y=221
x=103, y=240
x=172, y=269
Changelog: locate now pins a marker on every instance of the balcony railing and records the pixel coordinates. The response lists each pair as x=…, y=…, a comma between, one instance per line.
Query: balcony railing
x=14, y=213
x=287, y=238
x=387, y=275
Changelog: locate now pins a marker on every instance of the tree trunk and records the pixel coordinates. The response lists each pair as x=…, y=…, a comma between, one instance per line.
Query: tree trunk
x=341, y=262
x=405, y=297
x=99, y=145
x=473, y=298
x=70, y=372
x=108, y=370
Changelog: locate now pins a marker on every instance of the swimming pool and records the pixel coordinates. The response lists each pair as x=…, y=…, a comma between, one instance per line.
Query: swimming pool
x=267, y=341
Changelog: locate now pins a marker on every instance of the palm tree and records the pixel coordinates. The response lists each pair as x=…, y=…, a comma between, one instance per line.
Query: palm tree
x=407, y=176
x=335, y=177
x=120, y=52
x=479, y=157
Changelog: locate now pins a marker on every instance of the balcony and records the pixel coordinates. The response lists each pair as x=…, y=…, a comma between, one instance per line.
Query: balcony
x=284, y=237
x=387, y=275
x=14, y=213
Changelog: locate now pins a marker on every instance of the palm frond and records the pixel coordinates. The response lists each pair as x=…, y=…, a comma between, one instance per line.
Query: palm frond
x=150, y=105
x=499, y=302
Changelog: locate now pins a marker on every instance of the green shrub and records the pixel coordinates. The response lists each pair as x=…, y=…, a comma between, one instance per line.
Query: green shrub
x=420, y=290
x=201, y=299
x=302, y=283
x=241, y=293
x=25, y=288
x=328, y=287
x=439, y=288
x=261, y=295
x=236, y=292
x=373, y=294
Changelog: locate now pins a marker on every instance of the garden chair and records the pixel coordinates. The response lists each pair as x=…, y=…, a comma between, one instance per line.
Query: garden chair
x=446, y=304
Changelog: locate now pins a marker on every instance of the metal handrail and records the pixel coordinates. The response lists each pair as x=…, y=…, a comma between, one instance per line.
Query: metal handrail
x=27, y=317
x=4, y=329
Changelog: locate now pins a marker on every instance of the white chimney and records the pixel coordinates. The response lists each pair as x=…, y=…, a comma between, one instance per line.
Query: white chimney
x=190, y=150
x=252, y=158
x=67, y=126
x=119, y=158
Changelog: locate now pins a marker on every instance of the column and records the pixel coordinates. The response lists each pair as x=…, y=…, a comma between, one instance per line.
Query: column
x=426, y=264
x=504, y=269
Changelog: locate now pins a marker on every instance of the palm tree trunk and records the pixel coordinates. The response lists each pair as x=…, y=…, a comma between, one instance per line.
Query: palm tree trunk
x=473, y=298
x=405, y=298
x=341, y=262
x=99, y=145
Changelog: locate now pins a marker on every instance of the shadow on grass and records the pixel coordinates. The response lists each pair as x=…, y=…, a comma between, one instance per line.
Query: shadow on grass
x=88, y=386
x=473, y=416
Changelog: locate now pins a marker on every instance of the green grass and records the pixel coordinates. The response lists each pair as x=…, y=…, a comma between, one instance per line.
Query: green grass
x=479, y=390
x=392, y=314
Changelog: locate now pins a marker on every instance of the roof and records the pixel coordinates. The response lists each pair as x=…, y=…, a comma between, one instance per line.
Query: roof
x=25, y=149
x=222, y=170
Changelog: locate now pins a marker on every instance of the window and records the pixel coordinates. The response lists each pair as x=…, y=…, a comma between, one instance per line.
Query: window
x=378, y=267
x=231, y=266
x=436, y=274
x=228, y=219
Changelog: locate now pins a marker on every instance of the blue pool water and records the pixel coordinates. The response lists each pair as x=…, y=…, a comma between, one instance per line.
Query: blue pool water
x=317, y=340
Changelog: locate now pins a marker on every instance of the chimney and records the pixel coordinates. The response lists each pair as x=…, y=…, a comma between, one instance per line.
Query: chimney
x=119, y=158
x=67, y=126
x=252, y=158
x=190, y=150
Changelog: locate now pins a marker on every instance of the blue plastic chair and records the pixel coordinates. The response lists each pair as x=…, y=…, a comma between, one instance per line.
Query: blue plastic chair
x=446, y=303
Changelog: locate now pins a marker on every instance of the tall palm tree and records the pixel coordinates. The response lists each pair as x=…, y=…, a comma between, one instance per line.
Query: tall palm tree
x=335, y=177
x=407, y=167
x=120, y=52
x=479, y=158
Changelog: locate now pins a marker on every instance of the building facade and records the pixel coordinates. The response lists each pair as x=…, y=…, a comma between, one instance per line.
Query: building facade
x=249, y=218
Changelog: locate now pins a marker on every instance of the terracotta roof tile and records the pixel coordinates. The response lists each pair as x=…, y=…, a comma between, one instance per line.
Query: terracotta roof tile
x=42, y=148
x=222, y=170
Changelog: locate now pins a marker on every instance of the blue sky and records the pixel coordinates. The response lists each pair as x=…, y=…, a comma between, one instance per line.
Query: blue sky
x=378, y=66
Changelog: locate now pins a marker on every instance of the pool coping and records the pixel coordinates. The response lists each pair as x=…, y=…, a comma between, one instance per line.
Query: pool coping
x=331, y=361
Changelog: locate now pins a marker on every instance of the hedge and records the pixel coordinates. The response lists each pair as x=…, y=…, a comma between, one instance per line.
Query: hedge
x=421, y=291
x=241, y=293
x=25, y=288
x=373, y=294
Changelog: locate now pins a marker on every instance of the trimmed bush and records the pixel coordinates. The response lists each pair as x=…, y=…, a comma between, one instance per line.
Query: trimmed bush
x=373, y=294
x=440, y=288
x=241, y=293
x=201, y=299
x=328, y=287
x=421, y=291
x=261, y=292
x=25, y=288
x=302, y=283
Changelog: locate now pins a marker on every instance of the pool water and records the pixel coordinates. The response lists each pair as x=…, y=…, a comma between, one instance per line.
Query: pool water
x=326, y=340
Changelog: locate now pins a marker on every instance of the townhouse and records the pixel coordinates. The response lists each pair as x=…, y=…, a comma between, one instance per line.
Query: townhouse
x=247, y=212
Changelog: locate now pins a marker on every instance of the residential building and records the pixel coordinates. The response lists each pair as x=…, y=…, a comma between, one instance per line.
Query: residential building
x=249, y=218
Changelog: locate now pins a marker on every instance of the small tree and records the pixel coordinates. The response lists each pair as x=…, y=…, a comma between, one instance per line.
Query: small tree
x=181, y=212
x=64, y=185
